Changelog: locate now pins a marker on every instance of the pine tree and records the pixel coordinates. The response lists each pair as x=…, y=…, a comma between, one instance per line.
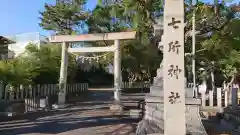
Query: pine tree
x=65, y=17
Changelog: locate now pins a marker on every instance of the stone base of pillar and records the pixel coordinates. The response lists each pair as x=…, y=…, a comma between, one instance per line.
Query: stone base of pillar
x=156, y=134
x=60, y=106
x=61, y=101
x=148, y=127
x=116, y=106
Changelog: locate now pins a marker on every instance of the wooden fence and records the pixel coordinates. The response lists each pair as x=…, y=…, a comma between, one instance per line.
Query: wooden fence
x=20, y=99
x=220, y=98
x=20, y=92
x=34, y=96
x=215, y=99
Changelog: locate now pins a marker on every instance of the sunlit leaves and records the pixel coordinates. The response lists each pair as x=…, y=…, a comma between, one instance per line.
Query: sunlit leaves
x=63, y=18
x=35, y=64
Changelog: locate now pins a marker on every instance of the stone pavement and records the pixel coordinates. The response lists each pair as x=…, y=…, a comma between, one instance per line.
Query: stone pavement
x=85, y=118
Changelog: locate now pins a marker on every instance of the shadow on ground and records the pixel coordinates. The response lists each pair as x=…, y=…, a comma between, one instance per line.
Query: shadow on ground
x=217, y=124
x=73, y=120
x=60, y=124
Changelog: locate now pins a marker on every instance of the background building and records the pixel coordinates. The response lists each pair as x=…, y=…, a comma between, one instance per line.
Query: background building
x=22, y=40
x=4, y=52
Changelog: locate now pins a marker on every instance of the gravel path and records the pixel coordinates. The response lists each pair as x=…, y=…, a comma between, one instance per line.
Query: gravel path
x=85, y=118
x=91, y=122
x=91, y=117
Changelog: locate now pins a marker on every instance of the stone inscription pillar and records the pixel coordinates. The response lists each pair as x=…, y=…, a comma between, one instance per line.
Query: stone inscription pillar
x=173, y=67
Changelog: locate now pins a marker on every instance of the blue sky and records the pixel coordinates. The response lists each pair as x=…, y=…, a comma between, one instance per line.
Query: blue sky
x=21, y=16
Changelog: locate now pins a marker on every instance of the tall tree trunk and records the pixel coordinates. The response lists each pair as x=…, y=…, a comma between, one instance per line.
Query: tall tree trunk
x=216, y=7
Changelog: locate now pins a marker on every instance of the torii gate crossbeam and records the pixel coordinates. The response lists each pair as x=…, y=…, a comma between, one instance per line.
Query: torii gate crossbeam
x=93, y=49
x=65, y=39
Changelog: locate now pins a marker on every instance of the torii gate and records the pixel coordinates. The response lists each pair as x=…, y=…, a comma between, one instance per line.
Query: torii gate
x=65, y=39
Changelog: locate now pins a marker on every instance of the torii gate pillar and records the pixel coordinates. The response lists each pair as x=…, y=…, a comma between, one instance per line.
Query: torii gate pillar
x=117, y=71
x=63, y=75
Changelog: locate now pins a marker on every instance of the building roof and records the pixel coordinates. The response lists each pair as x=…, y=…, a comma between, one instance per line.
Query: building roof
x=5, y=41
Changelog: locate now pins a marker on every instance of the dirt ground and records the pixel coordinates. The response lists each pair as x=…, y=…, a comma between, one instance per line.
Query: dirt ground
x=91, y=117
x=81, y=122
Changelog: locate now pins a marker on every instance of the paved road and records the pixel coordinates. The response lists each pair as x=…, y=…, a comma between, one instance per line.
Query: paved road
x=85, y=118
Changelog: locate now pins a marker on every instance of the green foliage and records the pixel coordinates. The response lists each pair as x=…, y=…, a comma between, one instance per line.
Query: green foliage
x=64, y=17
x=99, y=20
x=217, y=39
x=16, y=71
x=217, y=26
x=36, y=65
x=140, y=57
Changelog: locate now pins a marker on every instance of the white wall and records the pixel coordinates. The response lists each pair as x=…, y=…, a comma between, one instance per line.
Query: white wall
x=22, y=40
x=19, y=47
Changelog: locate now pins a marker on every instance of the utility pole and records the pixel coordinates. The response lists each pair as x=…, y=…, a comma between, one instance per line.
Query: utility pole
x=193, y=48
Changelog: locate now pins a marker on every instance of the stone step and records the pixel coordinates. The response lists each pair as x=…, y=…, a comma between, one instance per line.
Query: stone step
x=156, y=99
x=153, y=112
x=132, y=94
x=160, y=122
x=132, y=97
x=130, y=104
x=156, y=134
x=158, y=106
x=135, y=113
x=159, y=111
x=158, y=81
x=153, y=117
x=194, y=127
x=153, y=108
x=158, y=91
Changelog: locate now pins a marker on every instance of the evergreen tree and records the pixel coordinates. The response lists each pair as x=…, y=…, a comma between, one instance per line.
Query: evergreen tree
x=65, y=17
